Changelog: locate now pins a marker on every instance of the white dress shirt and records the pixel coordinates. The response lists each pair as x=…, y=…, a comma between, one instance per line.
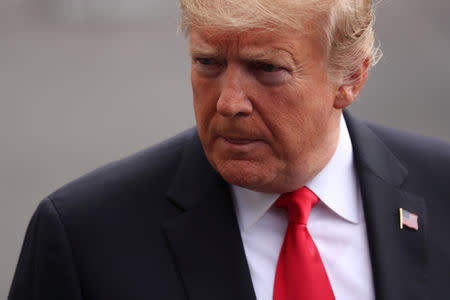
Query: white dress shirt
x=336, y=224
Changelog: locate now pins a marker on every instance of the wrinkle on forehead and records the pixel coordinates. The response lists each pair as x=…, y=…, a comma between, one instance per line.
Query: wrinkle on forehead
x=255, y=40
x=291, y=47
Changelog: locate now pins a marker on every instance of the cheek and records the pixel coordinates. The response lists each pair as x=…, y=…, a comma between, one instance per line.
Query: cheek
x=294, y=114
x=279, y=115
x=283, y=109
x=204, y=99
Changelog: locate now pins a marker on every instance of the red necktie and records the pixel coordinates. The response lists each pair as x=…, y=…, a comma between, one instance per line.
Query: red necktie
x=300, y=272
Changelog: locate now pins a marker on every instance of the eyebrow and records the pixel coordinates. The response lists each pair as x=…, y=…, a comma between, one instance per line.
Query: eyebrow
x=265, y=55
x=260, y=55
x=204, y=51
x=249, y=55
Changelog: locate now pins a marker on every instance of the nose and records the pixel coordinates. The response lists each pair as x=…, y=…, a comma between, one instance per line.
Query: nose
x=233, y=100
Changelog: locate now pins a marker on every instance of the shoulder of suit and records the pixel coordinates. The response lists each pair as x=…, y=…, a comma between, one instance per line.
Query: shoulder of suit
x=424, y=157
x=148, y=172
x=415, y=144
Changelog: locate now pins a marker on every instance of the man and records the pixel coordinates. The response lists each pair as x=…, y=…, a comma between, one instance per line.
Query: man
x=201, y=217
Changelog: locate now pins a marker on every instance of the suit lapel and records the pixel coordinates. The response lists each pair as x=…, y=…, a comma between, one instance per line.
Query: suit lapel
x=205, y=238
x=398, y=256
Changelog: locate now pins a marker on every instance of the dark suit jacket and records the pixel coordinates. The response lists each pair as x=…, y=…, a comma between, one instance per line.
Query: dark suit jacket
x=161, y=225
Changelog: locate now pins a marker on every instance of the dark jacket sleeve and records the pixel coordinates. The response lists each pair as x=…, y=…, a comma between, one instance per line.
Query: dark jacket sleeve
x=46, y=269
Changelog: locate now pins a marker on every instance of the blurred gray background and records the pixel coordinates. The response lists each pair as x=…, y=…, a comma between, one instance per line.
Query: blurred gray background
x=85, y=82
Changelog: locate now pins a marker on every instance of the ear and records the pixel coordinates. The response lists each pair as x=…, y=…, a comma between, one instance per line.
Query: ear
x=349, y=90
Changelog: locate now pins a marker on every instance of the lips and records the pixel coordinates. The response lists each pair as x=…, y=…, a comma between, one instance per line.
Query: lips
x=232, y=137
x=239, y=145
x=239, y=141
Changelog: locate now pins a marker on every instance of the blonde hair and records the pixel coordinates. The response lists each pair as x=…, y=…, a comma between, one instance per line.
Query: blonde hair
x=346, y=25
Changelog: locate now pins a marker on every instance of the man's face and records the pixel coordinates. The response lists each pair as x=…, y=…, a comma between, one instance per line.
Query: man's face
x=265, y=109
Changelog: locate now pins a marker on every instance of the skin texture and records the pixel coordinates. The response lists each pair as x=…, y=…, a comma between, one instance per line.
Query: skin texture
x=267, y=115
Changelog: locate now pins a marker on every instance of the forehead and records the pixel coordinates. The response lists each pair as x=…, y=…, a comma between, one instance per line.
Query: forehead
x=224, y=37
x=253, y=43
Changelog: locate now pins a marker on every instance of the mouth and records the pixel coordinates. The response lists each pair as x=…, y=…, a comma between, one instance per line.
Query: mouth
x=239, y=141
x=239, y=144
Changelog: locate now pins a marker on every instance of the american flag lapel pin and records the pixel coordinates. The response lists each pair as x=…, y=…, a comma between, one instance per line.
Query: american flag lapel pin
x=408, y=219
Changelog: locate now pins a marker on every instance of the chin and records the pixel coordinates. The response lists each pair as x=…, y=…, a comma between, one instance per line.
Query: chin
x=246, y=174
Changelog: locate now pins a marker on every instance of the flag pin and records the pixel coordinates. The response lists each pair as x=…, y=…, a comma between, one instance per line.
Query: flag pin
x=408, y=219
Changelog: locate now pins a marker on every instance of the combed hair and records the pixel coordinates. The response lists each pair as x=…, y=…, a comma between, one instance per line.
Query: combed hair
x=346, y=26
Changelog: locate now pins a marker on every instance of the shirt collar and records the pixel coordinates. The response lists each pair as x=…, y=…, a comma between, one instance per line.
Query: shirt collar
x=336, y=185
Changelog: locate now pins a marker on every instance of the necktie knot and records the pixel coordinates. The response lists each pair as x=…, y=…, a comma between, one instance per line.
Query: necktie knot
x=299, y=204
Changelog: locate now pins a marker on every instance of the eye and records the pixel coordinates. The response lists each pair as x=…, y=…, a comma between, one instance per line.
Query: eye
x=207, y=67
x=206, y=61
x=269, y=68
x=270, y=74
